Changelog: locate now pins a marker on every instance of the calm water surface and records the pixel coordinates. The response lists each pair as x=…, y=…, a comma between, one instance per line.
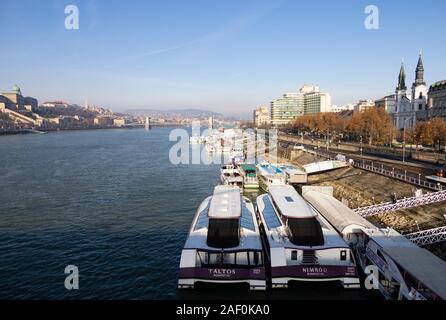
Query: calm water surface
x=109, y=202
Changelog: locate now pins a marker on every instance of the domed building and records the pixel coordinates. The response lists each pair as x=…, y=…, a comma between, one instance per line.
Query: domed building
x=16, y=90
x=14, y=100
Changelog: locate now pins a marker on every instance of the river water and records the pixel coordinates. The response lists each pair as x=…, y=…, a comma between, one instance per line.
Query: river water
x=111, y=203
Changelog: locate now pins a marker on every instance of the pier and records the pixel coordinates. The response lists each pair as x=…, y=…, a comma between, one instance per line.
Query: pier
x=405, y=269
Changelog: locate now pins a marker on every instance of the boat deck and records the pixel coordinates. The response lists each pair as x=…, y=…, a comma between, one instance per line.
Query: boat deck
x=249, y=233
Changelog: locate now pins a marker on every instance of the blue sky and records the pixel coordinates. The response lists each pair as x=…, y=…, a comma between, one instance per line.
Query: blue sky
x=228, y=56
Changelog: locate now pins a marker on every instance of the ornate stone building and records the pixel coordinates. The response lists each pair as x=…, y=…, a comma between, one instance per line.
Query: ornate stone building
x=14, y=100
x=410, y=105
x=437, y=100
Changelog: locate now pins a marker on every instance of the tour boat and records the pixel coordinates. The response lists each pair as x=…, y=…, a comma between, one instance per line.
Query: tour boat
x=230, y=175
x=270, y=175
x=293, y=174
x=249, y=175
x=300, y=244
x=224, y=244
x=403, y=270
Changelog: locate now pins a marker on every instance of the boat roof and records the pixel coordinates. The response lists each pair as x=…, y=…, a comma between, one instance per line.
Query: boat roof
x=389, y=238
x=291, y=169
x=246, y=166
x=225, y=203
x=279, y=237
x=422, y=265
x=270, y=169
x=337, y=213
x=290, y=203
x=249, y=232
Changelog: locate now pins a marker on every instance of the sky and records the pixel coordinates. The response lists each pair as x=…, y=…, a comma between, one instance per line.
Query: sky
x=229, y=56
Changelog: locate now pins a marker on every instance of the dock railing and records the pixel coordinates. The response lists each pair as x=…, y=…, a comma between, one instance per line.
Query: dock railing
x=393, y=174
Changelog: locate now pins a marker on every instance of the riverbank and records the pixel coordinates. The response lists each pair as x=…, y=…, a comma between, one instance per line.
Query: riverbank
x=47, y=130
x=361, y=188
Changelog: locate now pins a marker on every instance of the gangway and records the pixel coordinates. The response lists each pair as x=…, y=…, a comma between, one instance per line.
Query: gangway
x=406, y=271
x=426, y=237
x=405, y=203
x=322, y=166
x=393, y=174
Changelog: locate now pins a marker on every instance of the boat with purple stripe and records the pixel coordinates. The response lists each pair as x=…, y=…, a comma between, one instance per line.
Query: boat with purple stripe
x=300, y=244
x=224, y=243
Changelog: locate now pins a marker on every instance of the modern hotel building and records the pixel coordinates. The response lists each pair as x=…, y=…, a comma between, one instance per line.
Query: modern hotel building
x=309, y=100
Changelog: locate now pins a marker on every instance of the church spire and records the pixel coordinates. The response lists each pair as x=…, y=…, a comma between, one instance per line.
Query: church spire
x=419, y=72
x=401, y=79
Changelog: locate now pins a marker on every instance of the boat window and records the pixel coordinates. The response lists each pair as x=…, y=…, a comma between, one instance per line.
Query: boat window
x=203, y=257
x=215, y=259
x=343, y=255
x=223, y=233
x=228, y=258
x=380, y=254
x=255, y=258
x=289, y=199
x=242, y=258
x=234, y=259
x=305, y=232
x=294, y=255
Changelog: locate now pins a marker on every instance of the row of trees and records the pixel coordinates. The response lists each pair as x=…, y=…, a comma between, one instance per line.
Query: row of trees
x=372, y=126
x=429, y=133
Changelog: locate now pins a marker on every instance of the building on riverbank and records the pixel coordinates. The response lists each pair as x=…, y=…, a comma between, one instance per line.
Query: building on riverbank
x=261, y=117
x=103, y=121
x=119, y=122
x=387, y=103
x=410, y=105
x=437, y=100
x=363, y=105
x=14, y=100
x=307, y=101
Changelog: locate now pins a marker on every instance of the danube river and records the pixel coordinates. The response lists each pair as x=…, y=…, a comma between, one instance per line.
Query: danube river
x=111, y=203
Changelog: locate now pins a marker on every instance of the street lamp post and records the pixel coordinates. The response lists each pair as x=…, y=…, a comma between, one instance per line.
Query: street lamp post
x=361, y=146
x=404, y=141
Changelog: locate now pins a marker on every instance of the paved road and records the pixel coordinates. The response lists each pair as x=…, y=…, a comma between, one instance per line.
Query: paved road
x=416, y=172
x=410, y=166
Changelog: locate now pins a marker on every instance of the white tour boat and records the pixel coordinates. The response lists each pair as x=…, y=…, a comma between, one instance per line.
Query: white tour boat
x=302, y=245
x=224, y=243
x=270, y=175
x=230, y=175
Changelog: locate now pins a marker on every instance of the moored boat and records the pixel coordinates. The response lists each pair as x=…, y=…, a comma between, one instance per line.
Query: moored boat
x=403, y=271
x=249, y=175
x=293, y=174
x=270, y=175
x=302, y=245
x=224, y=244
x=230, y=175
